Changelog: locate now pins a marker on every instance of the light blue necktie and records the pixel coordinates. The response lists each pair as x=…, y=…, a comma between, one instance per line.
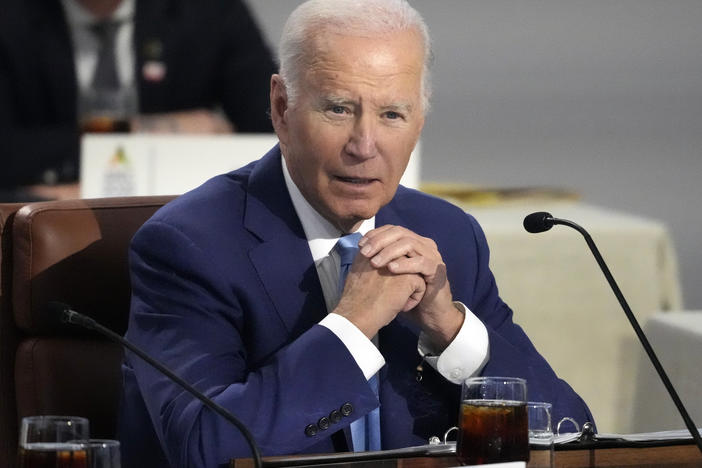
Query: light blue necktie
x=365, y=432
x=347, y=248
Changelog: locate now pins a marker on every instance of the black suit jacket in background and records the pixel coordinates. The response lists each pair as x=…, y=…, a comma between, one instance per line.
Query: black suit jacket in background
x=213, y=52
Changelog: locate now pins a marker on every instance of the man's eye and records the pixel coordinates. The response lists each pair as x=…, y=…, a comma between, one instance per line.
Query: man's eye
x=392, y=115
x=338, y=109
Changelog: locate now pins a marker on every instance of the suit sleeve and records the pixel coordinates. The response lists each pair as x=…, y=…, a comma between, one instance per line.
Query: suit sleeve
x=188, y=315
x=511, y=353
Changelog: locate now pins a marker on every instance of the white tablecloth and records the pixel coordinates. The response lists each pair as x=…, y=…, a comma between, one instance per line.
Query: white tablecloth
x=562, y=300
x=676, y=337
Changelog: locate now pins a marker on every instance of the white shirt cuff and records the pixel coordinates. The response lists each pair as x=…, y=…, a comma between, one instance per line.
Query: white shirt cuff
x=361, y=348
x=465, y=356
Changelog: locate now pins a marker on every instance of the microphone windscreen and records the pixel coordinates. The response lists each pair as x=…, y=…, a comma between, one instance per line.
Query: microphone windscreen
x=538, y=222
x=53, y=316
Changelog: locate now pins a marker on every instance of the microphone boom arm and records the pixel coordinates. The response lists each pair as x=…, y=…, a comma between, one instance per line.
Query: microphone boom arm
x=71, y=316
x=639, y=332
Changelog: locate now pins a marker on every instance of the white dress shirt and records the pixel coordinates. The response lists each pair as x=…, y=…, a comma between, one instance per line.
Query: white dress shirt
x=465, y=356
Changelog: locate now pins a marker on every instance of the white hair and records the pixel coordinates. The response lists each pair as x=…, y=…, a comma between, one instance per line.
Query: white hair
x=352, y=17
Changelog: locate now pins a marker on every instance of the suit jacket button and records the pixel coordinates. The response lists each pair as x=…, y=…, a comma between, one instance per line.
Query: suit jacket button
x=335, y=416
x=323, y=423
x=347, y=409
x=311, y=430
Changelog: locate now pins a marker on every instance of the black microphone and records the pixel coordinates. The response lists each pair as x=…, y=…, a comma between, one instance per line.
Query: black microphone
x=538, y=222
x=68, y=315
x=542, y=221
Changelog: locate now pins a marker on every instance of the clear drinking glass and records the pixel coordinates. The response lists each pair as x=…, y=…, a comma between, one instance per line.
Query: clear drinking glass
x=101, y=453
x=540, y=433
x=106, y=111
x=493, y=422
x=47, y=441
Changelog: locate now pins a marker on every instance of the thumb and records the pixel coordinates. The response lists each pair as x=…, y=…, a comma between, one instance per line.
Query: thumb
x=417, y=294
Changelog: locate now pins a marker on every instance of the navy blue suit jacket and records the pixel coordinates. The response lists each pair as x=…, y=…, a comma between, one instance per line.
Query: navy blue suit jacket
x=226, y=293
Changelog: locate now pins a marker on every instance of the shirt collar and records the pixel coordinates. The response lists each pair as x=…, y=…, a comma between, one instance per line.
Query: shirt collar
x=321, y=234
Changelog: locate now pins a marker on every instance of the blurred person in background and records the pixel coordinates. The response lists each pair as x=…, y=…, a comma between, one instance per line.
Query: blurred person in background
x=166, y=66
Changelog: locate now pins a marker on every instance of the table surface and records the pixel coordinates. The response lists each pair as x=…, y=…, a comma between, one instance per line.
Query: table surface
x=678, y=456
x=676, y=338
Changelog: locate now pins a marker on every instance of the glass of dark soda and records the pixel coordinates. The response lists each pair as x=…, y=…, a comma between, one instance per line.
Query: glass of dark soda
x=493, y=421
x=48, y=441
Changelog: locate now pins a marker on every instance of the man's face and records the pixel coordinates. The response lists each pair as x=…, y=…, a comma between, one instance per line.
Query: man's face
x=348, y=136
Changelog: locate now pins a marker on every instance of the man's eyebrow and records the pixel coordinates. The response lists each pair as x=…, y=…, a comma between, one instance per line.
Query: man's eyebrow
x=337, y=100
x=403, y=107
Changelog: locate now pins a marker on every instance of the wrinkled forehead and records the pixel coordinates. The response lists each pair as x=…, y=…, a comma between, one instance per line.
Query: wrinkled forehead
x=379, y=65
x=364, y=54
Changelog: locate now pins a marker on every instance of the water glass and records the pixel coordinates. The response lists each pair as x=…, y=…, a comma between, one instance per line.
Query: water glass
x=540, y=433
x=101, y=453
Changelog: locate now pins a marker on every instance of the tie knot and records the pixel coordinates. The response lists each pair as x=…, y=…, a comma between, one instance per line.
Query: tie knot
x=347, y=247
x=105, y=31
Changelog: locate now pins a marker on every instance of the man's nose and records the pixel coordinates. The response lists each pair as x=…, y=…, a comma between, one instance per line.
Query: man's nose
x=363, y=139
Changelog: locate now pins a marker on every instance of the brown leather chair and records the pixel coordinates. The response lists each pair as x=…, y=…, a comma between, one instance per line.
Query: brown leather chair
x=72, y=251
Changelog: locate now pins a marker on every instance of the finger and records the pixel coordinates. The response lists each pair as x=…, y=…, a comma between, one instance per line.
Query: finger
x=417, y=295
x=412, y=246
x=402, y=248
x=378, y=238
x=419, y=265
x=376, y=231
x=402, y=241
x=411, y=304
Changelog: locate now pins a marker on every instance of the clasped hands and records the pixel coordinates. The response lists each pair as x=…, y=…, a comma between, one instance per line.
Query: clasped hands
x=399, y=271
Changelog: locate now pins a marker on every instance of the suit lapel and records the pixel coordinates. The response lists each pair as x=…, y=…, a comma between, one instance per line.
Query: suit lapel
x=282, y=259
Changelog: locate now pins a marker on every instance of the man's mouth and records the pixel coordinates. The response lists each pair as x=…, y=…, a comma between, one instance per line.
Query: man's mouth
x=355, y=180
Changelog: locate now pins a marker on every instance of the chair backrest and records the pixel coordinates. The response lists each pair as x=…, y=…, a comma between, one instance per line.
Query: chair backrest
x=75, y=252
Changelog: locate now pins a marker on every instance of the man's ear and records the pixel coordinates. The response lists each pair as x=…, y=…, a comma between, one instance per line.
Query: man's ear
x=279, y=107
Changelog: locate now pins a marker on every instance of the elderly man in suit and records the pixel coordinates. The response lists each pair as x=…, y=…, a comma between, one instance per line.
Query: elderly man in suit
x=239, y=284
